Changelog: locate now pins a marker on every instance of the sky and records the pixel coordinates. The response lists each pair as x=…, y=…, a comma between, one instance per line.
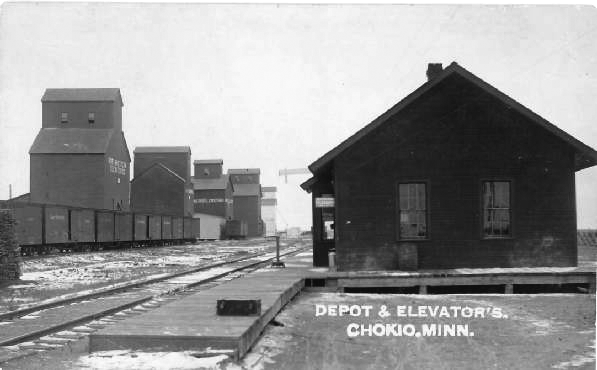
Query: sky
x=277, y=86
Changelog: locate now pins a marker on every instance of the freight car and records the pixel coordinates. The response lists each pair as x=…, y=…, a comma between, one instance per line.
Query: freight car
x=41, y=228
x=236, y=229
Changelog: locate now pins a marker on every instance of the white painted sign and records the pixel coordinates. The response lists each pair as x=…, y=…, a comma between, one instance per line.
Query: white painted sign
x=324, y=202
x=116, y=166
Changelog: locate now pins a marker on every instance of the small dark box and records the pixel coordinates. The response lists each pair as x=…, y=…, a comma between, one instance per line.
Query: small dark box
x=238, y=307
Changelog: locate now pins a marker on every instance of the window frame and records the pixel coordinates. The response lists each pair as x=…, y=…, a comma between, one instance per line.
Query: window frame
x=63, y=117
x=91, y=118
x=482, y=209
x=397, y=210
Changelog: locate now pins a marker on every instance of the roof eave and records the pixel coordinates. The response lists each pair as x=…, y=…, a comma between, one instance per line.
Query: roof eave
x=308, y=185
x=580, y=148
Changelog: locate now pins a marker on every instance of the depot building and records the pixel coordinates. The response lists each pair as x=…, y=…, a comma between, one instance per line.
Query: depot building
x=457, y=174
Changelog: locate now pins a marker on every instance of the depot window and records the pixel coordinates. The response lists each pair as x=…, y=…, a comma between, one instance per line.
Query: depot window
x=64, y=117
x=412, y=211
x=496, y=209
x=91, y=117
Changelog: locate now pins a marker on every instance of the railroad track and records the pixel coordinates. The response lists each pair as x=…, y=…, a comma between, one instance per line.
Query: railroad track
x=56, y=251
x=59, y=323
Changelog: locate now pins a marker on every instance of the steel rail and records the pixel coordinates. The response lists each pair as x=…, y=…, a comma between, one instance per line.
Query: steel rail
x=25, y=311
x=95, y=315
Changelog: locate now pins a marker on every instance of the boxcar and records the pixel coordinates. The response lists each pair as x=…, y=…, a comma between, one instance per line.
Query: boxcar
x=236, y=229
x=56, y=223
x=141, y=227
x=166, y=227
x=104, y=226
x=188, y=228
x=28, y=223
x=177, y=226
x=155, y=227
x=82, y=225
x=124, y=227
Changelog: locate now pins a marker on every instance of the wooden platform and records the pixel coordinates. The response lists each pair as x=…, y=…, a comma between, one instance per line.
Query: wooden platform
x=192, y=324
x=454, y=277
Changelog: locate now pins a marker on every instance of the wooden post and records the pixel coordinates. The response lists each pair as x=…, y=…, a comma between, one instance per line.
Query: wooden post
x=422, y=289
x=277, y=262
x=509, y=289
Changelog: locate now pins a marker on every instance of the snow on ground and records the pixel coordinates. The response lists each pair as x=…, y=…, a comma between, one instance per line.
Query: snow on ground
x=579, y=360
x=539, y=332
x=269, y=346
x=126, y=359
x=61, y=276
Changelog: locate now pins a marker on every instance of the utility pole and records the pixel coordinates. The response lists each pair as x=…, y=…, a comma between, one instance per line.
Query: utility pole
x=9, y=191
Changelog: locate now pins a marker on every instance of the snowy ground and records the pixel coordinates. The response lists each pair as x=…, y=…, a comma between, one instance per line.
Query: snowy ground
x=539, y=332
x=50, y=277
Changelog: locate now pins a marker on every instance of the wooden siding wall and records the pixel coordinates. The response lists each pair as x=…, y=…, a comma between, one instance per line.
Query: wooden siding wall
x=214, y=171
x=107, y=115
x=72, y=180
x=221, y=209
x=454, y=149
x=179, y=163
x=157, y=191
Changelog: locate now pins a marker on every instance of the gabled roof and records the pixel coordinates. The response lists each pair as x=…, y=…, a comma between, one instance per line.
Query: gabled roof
x=585, y=155
x=160, y=167
x=162, y=149
x=220, y=183
x=71, y=141
x=246, y=190
x=208, y=161
x=244, y=171
x=82, y=95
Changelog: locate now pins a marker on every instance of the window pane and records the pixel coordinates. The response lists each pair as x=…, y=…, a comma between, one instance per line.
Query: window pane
x=487, y=195
x=403, y=195
x=412, y=213
x=412, y=196
x=486, y=223
x=422, y=224
x=421, y=197
x=502, y=195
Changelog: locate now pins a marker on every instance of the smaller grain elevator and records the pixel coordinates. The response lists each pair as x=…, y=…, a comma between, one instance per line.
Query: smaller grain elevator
x=247, y=198
x=212, y=197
